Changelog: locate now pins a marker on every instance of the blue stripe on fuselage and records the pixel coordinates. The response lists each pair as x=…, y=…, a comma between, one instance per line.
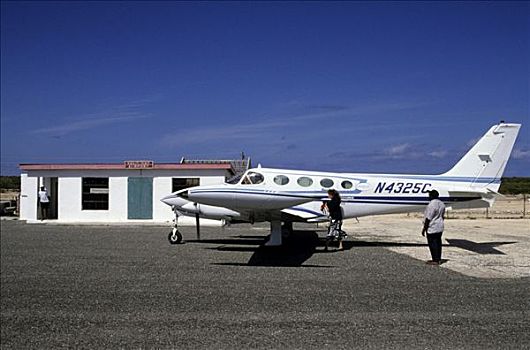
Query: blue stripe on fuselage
x=356, y=199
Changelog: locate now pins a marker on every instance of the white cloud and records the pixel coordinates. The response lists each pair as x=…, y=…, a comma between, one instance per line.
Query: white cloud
x=521, y=154
x=85, y=124
x=437, y=154
x=410, y=151
x=472, y=142
x=398, y=150
x=120, y=114
x=268, y=128
x=232, y=132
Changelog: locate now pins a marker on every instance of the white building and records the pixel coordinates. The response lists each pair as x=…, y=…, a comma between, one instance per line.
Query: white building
x=118, y=192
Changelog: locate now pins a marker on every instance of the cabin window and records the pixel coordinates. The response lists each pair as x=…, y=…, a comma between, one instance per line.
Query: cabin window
x=234, y=179
x=281, y=180
x=346, y=184
x=180, y=183
x=95, y=193
x=305, y=181
x=326, y=183
x=252, y=178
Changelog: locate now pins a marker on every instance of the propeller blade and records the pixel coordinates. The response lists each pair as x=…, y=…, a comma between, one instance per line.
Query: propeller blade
x=198, y=226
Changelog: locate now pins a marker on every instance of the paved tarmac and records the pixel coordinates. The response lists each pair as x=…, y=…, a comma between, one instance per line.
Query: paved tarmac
x=126, y=287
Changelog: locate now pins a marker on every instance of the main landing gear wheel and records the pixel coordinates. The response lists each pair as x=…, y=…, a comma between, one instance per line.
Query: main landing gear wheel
x=174, y=237
x=287, y=229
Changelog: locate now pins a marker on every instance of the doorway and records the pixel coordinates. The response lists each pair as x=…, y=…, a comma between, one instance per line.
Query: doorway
x=140, y=198
x=52, y=187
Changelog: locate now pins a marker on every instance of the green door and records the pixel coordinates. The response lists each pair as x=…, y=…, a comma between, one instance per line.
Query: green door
x=140, y=198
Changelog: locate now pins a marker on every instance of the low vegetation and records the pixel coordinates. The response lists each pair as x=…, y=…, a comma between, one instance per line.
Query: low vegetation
x=10, y=183
x=515, y=185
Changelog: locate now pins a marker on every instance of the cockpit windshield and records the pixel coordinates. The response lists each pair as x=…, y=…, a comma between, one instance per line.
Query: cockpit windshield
x=252, y=178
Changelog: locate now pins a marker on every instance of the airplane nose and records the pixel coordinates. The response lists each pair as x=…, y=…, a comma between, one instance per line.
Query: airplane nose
x=168, y=199
x=176, y=199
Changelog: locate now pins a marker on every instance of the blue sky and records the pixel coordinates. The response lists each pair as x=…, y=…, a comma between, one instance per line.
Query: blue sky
x=360, y=87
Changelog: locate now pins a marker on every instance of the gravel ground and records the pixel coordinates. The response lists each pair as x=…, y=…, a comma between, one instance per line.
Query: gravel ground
x=484, y=248
x=126, y=287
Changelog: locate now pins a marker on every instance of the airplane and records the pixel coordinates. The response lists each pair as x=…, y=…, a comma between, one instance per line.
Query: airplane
x=287, y=196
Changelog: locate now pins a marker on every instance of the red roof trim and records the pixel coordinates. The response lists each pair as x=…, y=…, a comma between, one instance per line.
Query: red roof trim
x=121, y=166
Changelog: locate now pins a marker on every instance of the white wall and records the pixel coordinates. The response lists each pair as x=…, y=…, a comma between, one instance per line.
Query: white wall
x=161, y=188
x=212, y=180
x=28, y=197
x=70, y=188
x=70, y=206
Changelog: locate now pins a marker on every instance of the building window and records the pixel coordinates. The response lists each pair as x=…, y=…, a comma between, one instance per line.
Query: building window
x=281, y=180
x=346, y=184
x=180, y=183
x=326, y=183
x=305, y=181
x=95, y=193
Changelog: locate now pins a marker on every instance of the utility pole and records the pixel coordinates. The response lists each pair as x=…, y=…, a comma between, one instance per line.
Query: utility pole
x=524, y=205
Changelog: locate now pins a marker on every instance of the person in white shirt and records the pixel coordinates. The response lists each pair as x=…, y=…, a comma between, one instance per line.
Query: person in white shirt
x=433, y=226
x=44, y=202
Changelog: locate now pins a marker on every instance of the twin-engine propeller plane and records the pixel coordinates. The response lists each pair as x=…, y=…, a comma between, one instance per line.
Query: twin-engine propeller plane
x=286, y=196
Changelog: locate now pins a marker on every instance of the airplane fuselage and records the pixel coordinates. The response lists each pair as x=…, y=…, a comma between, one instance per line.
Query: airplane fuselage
x=299, y=194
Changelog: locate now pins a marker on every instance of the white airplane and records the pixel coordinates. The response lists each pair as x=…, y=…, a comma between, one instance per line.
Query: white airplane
x=279, y=195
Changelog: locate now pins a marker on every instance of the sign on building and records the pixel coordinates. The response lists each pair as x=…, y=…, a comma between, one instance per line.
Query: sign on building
x=139, y=164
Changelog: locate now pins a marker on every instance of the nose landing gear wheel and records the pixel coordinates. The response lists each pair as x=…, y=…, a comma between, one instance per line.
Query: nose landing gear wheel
x=174, y=237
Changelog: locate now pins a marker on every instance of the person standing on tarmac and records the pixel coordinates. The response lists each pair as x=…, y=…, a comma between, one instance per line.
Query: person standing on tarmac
x=433, y=226
x=335, y=213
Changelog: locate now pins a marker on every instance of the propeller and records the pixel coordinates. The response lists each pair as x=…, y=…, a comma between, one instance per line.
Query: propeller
x=197, y=224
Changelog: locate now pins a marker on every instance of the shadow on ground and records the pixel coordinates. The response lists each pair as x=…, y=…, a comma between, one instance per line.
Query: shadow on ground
x=295, y=251
x=480, y=248
x=298, y=247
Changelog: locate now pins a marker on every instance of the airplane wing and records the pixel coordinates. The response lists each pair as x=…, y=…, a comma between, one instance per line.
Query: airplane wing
x=299, y=213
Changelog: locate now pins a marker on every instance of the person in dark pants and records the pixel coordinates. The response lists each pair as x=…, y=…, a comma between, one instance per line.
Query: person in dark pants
x=335, y=213
x=433, y=226
x=44, y=202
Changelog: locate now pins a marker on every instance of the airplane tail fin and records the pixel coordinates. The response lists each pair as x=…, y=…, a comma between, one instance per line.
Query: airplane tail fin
x=485, y=162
